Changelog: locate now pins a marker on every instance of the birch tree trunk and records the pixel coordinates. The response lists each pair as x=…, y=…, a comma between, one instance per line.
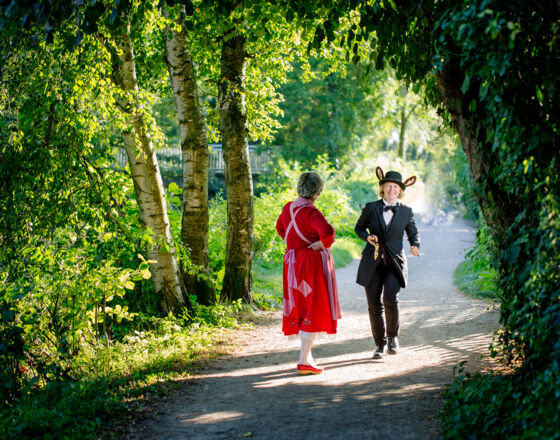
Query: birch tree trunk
x=147, y=179
x=238, y=277
x=194, y=147
x=401, y=152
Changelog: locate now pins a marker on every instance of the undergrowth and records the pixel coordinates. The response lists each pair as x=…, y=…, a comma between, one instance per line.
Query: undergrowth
x=106, y=380
x=476, y=275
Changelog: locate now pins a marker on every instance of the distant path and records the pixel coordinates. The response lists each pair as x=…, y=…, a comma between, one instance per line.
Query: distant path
x=256, y=393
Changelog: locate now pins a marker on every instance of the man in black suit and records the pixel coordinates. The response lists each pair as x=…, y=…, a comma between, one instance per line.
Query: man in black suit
x=383, y=267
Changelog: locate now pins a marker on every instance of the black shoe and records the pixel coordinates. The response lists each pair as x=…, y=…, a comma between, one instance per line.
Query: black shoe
x=393, y=346
x=379, y=353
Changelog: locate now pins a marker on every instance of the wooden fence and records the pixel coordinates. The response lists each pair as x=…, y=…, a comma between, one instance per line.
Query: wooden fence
x=169, y=160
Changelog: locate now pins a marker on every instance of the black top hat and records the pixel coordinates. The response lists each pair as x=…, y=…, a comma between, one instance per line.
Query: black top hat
x=395, y=177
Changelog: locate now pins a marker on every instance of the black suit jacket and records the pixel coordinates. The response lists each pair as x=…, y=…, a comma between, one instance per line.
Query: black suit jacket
x=390, y=240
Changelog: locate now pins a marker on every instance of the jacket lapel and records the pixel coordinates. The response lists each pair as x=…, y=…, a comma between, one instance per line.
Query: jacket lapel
x=379, y=218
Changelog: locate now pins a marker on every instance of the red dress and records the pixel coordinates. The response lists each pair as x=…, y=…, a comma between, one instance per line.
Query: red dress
x=309, y=302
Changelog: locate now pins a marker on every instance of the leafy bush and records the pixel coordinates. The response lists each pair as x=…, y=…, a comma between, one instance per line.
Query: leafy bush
x=268, y=245
x=63, y=294
x=477, y=275
x=217, y=236
x=521, y=407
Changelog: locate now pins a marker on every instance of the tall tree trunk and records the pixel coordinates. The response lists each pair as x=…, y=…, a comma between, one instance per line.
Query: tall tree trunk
x=147, y=179
x=194, y=147
x=401, y=152
x=499, y=212
x=238, y=277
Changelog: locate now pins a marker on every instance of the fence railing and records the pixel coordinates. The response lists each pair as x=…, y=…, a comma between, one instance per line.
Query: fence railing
x=169, y=159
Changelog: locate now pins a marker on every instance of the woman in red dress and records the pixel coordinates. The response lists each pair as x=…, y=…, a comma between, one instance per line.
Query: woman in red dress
x=310, y=292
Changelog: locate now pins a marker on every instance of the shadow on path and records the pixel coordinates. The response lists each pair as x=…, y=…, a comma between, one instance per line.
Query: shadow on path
x=257, y=393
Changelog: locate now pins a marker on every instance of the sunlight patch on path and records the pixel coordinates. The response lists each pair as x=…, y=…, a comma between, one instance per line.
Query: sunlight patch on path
x=209, y=418
x=257, y=389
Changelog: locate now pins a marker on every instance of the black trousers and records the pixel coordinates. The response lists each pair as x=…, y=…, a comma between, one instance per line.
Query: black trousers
x=383, y=304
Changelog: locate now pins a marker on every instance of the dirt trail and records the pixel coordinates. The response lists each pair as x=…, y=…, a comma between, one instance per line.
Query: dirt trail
x=257, y=393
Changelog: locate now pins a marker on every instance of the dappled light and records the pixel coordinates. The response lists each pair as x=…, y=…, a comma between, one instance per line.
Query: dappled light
x=440, y=329
x=147, y=151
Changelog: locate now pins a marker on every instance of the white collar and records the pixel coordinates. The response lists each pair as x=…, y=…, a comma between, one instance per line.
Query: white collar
x=387, y=204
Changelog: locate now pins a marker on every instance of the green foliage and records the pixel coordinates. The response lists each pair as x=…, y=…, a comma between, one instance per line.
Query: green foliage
x=217, y=236
x=68, y=229
x=512, y=94
x=218, y=315
x=477, y=275
x=268, y=245
x=12, y=353
x=519, y=408
x=105, y=380
x=329, y=113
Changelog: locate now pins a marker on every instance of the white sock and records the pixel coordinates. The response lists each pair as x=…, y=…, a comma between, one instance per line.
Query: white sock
x=305, y=357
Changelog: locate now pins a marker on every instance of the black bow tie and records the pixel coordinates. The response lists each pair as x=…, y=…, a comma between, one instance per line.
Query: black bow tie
x=390, y=208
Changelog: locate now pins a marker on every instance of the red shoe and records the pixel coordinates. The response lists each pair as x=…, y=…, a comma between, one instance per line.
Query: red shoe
x=308, y=369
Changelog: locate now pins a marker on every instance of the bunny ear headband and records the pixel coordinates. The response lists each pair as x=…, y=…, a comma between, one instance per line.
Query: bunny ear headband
x=395, y=177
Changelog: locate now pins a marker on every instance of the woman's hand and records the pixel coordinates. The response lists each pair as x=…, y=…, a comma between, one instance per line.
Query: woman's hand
x=317, y=246
x=372, y=239
x=414, y=251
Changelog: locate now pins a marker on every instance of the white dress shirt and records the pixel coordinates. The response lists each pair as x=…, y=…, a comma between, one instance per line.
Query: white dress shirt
x=388, y=215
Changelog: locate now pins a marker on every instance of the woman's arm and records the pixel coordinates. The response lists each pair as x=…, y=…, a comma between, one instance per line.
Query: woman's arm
x=323, y=228
x=280, y=225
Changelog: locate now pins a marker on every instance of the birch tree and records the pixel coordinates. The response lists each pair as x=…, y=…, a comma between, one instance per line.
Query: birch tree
x=238, y=278
x=145, y=173
x=243, y=50
x=194, y=147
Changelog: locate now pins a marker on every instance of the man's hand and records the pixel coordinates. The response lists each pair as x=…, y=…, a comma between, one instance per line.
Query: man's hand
x=414, y=251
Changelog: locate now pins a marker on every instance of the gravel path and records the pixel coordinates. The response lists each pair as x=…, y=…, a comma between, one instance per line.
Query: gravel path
x=257, y=393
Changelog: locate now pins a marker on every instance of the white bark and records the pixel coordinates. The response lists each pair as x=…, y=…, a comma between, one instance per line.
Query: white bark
x=148, y=184
x=194, y=147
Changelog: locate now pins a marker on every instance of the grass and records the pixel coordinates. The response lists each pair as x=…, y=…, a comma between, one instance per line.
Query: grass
x=345, y=250
x=267, y=284
x=476, y=281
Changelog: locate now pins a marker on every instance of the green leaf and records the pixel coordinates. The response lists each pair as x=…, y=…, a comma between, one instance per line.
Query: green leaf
x=539, y=94
x=466, y=84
